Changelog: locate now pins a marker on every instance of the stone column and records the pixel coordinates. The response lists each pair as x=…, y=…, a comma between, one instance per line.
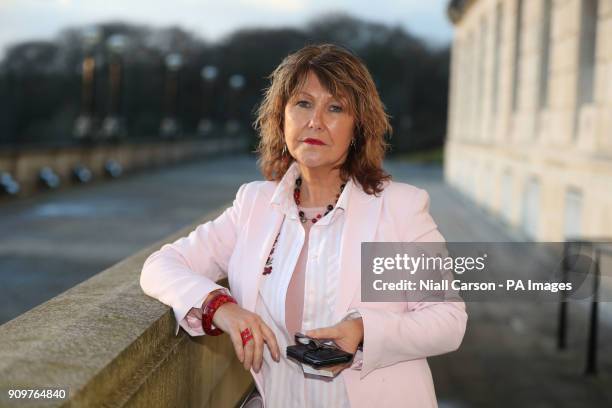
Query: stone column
x=603, y=79
x=563, y=71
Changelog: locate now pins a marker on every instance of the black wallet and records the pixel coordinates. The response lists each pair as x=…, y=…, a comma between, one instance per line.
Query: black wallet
x=316, y=353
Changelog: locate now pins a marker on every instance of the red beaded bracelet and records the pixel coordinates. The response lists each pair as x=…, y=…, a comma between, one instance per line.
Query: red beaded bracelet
x=209, y=311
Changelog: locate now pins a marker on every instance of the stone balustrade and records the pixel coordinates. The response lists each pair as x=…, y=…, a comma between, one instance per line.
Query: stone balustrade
x=111, y=345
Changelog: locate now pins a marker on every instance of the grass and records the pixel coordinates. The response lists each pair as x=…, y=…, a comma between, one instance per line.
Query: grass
x=432, y=156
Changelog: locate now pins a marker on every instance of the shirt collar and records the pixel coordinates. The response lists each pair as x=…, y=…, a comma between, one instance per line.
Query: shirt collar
x=283, y=194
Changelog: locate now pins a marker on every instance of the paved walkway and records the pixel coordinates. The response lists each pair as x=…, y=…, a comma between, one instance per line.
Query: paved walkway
x=507, y=359
x=508, y=356
x=53, y=241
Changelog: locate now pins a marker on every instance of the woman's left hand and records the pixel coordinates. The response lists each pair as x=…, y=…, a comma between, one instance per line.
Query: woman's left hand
x=346, y=334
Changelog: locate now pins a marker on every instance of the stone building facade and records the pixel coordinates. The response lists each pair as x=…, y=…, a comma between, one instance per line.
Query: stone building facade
x=529, y=133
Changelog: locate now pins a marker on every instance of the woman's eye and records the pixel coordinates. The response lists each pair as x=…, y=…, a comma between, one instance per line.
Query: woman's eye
x=303, y=104
x=336, y=108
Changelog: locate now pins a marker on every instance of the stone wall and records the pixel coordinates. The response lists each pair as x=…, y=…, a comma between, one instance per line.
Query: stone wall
x=524, y=139
x=24, y=164
x=113, y=346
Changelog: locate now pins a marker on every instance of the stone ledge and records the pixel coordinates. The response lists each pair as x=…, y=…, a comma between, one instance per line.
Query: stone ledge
x=112, y=345
x=24, y=164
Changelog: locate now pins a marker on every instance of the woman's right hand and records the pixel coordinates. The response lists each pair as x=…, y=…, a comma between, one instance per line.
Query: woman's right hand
x=233, y=319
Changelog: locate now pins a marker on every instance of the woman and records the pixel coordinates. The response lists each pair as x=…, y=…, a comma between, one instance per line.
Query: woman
x=290, y=247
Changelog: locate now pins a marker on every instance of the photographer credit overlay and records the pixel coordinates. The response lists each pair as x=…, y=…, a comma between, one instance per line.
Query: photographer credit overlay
x=484, y=271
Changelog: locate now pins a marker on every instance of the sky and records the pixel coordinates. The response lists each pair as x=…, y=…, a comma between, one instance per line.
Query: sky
x=22, y=20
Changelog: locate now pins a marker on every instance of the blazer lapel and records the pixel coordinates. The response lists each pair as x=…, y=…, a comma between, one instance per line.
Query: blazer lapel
x=360, y=225
x=260, y=238
x=269, y=211
x=361, y=221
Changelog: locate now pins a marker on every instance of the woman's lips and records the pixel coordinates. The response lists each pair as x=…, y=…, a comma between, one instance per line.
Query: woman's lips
x=313, y=141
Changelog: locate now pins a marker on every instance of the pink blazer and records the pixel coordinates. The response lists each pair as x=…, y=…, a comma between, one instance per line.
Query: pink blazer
x=397, y=336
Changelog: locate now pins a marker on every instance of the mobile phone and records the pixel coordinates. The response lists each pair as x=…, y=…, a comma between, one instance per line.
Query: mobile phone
x=317, y=353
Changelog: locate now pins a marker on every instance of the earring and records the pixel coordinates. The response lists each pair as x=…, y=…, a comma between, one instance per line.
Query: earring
x=284, y=152
x=352, y=143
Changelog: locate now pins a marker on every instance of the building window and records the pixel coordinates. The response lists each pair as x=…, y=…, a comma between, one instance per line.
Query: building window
x=545, y=53
x=481, y=67
x=588, y=29
x=455, y=97
x=516, y=73
x=531, y=208
x=573, y=214
x=463, y=86
x=472, y=84
x=506, y=196
x=496, y=55
x=488, y=187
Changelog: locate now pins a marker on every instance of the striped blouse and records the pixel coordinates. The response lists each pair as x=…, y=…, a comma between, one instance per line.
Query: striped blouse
x=299, y=295
x=308, y=305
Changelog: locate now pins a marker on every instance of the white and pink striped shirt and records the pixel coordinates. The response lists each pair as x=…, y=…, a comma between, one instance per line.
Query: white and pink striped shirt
x=300, y=293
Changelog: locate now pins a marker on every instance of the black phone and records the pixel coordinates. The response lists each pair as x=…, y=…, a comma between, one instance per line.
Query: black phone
x=316, y=353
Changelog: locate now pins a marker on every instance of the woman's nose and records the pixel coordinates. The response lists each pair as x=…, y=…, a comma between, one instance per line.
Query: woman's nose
x=316, y=119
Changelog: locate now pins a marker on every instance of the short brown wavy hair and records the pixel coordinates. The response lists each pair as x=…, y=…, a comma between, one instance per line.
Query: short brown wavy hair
x=344, y=75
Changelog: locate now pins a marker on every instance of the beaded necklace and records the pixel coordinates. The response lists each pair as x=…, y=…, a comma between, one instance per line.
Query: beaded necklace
x=296, y=196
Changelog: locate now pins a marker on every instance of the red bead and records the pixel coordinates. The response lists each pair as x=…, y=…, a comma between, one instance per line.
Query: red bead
x=318, y=215
x=314, y=220
x=267, y=270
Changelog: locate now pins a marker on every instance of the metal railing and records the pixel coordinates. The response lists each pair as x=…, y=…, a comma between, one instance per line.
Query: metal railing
x=571, y=250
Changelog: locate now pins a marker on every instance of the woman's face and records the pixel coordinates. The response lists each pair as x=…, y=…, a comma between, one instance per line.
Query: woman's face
x=318, y=127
